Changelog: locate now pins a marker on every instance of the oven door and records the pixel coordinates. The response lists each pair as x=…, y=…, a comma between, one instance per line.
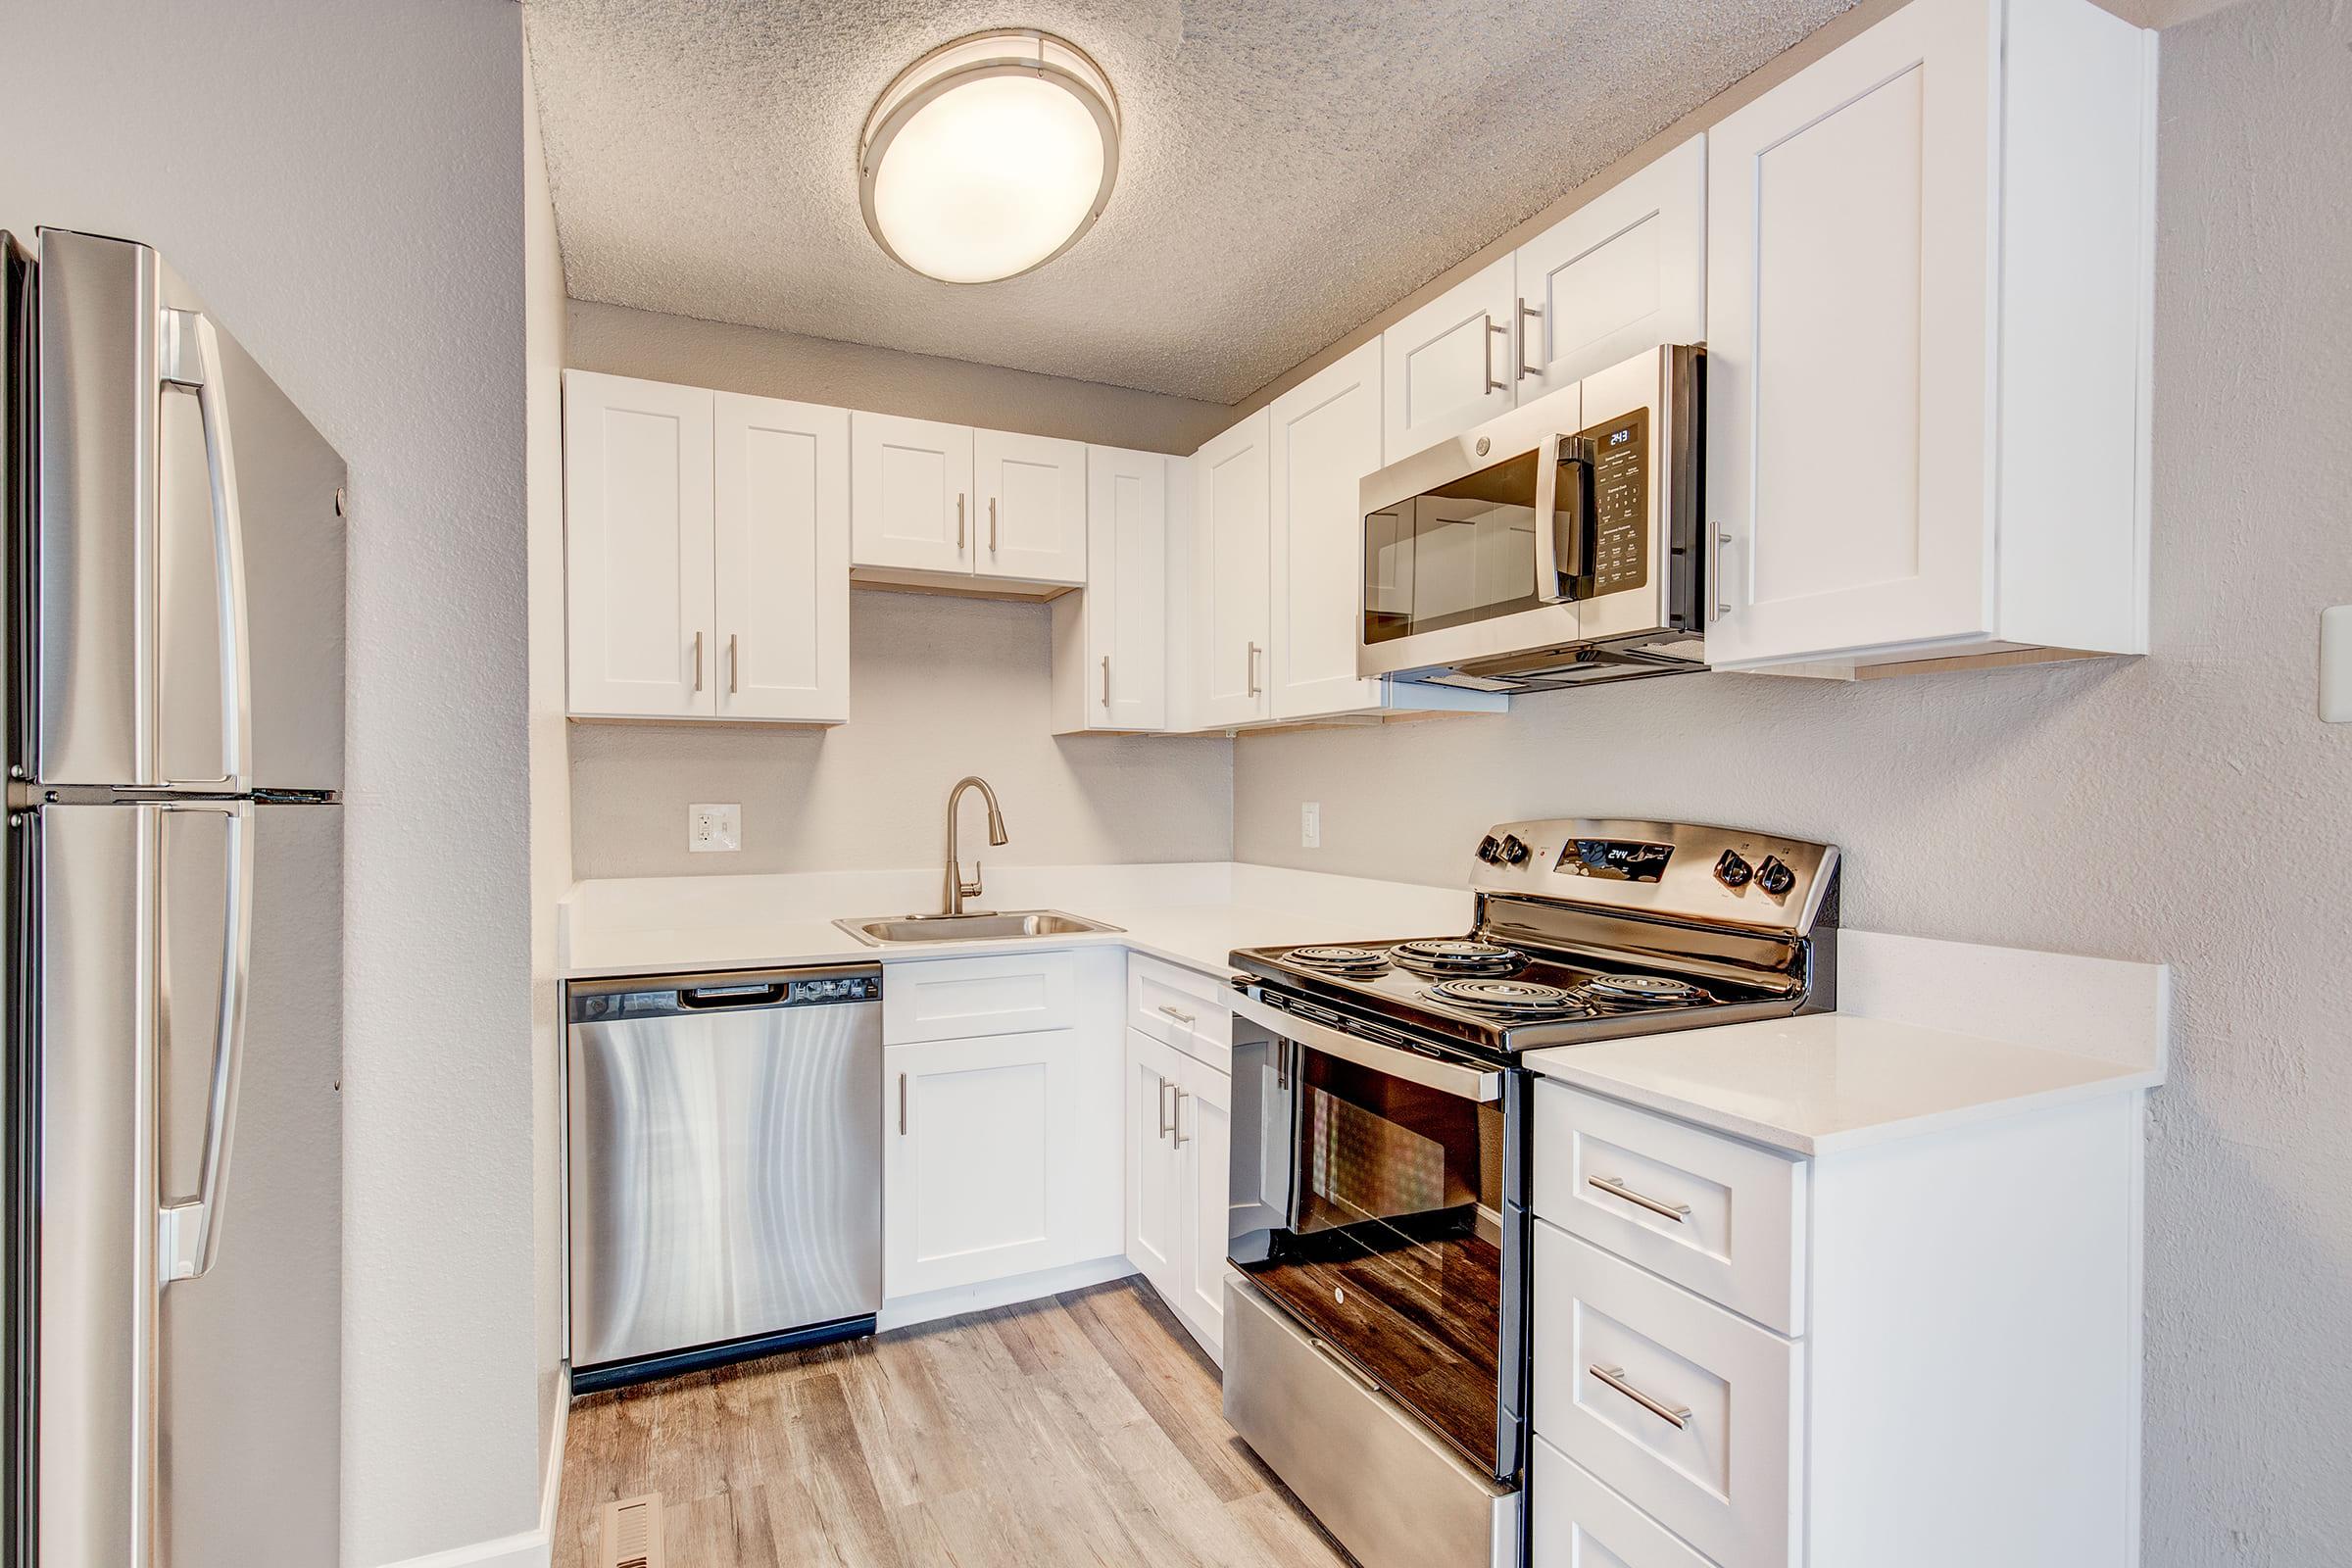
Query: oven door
x=1379, y=1199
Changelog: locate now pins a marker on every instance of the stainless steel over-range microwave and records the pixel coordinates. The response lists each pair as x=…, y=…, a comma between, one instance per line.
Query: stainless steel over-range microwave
x=1555, y=546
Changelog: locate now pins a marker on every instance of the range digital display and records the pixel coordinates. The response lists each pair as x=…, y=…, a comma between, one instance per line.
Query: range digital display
x=1615, y=859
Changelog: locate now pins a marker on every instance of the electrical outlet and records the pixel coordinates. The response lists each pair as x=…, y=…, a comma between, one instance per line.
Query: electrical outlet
x=2335, y=664
x=1310, y=824
x=714, y=827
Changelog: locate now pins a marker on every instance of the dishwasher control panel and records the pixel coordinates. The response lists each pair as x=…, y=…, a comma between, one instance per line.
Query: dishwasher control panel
x=682, y=996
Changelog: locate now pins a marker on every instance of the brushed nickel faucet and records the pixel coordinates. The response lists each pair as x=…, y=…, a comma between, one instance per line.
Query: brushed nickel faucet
x=958, y=889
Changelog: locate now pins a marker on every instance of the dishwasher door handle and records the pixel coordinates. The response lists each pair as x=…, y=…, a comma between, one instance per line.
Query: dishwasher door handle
x=766, y=996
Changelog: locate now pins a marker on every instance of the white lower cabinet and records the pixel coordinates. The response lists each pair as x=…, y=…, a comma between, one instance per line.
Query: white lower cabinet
x=1178, y=1132
x=1001, y=1149
x=1966, y=1386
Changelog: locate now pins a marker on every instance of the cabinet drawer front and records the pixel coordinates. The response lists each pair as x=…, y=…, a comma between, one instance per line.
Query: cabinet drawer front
x=960, y=998
x=1579, y=1523
x=1182, y=1006
x=1690, y=1412
x=1722, y=1217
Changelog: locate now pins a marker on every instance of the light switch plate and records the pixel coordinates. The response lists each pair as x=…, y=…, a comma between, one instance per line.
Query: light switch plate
x=2335, y=664
x=1310, y=824
x=714, y=827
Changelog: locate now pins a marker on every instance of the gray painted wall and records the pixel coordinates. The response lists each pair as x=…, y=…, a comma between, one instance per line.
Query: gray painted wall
x=343, y=184
x=2188, y=808
x=940, y=687
x=853, y=375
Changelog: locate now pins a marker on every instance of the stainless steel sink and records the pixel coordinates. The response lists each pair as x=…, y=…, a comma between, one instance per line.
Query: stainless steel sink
x=977, y=926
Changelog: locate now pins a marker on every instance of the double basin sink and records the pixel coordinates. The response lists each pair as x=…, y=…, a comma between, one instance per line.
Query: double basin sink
x=978, y=926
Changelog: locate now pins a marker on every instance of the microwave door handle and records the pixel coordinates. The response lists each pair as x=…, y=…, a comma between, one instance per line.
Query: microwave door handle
x=1574, y=526
x=1549, y=589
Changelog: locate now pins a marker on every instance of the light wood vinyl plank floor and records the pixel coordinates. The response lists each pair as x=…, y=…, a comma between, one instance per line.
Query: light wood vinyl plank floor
x=1082, y=1430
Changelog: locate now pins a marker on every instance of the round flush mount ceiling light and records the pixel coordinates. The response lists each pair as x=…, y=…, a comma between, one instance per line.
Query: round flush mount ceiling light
x=990, y=156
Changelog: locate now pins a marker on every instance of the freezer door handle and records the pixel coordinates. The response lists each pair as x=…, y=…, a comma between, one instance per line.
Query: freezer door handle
x=188, y=1232
x=191, y=360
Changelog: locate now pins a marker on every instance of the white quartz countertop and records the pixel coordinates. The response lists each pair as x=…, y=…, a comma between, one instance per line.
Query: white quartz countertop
x=1928, y=1034
x=1831, y=1082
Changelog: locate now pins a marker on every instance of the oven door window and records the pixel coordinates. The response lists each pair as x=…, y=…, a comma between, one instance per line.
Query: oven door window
x=1377, y=1221
x=1461, y=553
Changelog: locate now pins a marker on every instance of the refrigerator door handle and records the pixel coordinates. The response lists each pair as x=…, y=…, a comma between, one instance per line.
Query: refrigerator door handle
x=188, y=1232
x=191, y=359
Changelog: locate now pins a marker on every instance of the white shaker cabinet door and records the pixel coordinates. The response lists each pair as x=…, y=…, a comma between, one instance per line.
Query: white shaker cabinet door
x=1125, y=673
x=1154, y=1217
x=637, y=547
x=1201, y=1133
x=1324, y=439
x=782, y=636
x=1849, y=347
x=1029, y=507
x=911, y=494
x=1447, y=366
x=1229, y=564
x=1626, y=271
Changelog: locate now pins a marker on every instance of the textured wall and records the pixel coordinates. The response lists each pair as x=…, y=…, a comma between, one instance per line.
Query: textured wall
x=940, y=688
x=549, y=735
x=343, y=184
x=851, y=375
x=2188, y=808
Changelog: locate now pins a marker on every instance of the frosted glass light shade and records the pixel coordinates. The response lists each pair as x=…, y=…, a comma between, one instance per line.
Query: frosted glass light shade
x=989, y=157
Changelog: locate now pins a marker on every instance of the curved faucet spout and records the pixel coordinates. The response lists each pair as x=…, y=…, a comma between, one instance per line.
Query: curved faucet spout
x=958, y=889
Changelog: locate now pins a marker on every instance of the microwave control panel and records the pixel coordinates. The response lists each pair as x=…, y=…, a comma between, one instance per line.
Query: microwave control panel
x=1619, y=454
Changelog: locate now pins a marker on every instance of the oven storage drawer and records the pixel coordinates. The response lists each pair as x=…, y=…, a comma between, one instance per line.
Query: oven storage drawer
x=1693, y=1414
x=1392, y=1493
x=964, y=999
x=1722, y=1217
x=1579, y=1523
x=1182, y=1006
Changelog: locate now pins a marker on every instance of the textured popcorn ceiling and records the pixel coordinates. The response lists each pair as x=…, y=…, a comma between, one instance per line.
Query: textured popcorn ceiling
x=1289, y=169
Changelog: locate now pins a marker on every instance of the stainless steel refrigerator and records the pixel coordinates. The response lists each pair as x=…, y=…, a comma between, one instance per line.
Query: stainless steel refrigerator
x=175, y=946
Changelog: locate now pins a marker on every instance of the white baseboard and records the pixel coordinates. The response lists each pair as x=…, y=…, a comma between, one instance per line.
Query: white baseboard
x=908, y=1310
x=528, y=1548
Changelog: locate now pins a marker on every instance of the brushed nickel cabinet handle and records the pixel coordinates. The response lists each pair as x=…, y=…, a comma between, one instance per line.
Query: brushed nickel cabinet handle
x=959, y=522
x=992, y=525
x=902, y=1104
x=1615, y=1187
x=734, y=664
x=1494, y=326
x=1527, y=312
x=1677, y=1416
x=697, y=660
x=1254, y=691
x=1176, y=1122
x=1182, y=1017
x=1106, y=683
x=1718, y=605
x=1159, y=1107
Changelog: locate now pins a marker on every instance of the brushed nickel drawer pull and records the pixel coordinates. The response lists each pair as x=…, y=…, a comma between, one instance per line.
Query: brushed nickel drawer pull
x=734, y=664
x=959, y=522
x=1492, y=327
x=697, y=660
x=1184, y=1018
x=1677, y=1416
x=992, y=525
x=1615, y=1187
x=1253, y=686
x=1528, y=313
x=902, y=1104
x=1176, y=1122
x=1160, y=1108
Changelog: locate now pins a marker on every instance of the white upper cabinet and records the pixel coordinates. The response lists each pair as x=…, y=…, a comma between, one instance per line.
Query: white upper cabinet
x=911, y=494
x=1927, y=297
x=1626, y=271
x=1323, y=438
x=1228, y=567
x=1029, y=507
x=1448, y=365
x=638, y=542
x=1110, y=642
x=782, y=634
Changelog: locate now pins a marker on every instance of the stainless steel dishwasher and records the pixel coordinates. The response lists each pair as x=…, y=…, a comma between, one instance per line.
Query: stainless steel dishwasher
x=726, y=1166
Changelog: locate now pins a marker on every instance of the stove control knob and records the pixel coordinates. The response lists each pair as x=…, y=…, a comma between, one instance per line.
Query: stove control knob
x=1732, y=871
x=1490, y=849
x=1514, y=850
x=1774, y=877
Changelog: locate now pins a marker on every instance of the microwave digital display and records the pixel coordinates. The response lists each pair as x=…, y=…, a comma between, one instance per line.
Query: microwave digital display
x=1615, y=859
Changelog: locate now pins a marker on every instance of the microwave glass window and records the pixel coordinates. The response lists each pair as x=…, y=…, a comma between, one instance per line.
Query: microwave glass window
x=1464, y=552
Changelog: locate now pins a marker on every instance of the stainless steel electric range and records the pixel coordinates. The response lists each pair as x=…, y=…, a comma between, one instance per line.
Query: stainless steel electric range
x=1376, y=1320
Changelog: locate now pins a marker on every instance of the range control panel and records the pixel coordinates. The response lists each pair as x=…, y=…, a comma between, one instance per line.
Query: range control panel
x=1671, y=869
